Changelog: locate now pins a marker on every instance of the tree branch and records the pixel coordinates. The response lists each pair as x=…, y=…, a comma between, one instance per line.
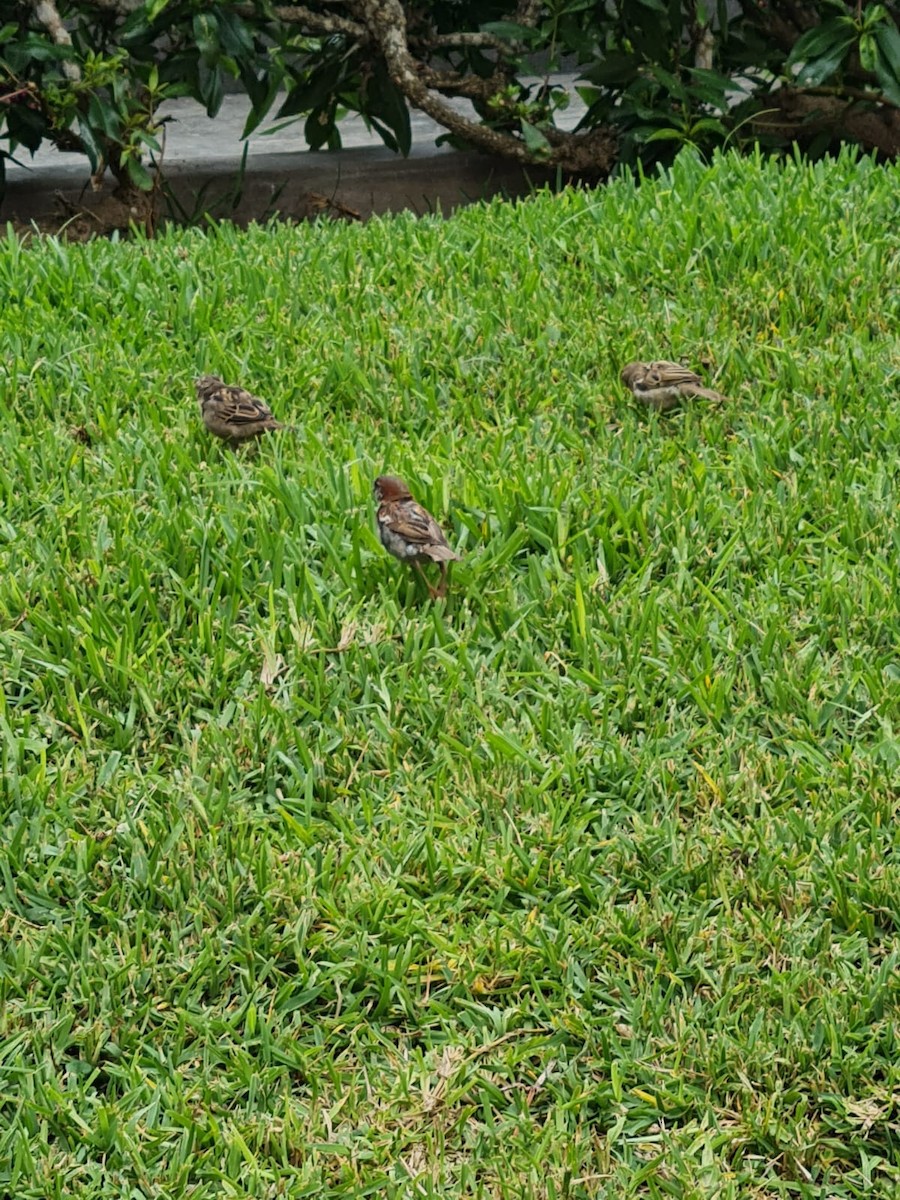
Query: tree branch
x=386, y=22
x=299, y=14
x=473, y=86
x=527, y=12
x=802, y=113
x=452, y=41
x=121, y=7
x=46, y=13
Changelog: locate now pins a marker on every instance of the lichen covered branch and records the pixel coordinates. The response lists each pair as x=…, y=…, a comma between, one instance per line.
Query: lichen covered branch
x=315, y=23
x=386, y=22
x=47, y=14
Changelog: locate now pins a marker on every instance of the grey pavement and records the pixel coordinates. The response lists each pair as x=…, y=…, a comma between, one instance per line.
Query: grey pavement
x=193, y=138
x=202, y=155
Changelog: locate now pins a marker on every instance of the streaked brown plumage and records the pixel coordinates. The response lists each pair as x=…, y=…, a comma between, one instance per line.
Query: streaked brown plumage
x=662, y=385
x=231, y=412
x=409, y=531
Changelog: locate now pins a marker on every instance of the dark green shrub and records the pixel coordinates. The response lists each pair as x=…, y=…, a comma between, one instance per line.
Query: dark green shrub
x=655, y=75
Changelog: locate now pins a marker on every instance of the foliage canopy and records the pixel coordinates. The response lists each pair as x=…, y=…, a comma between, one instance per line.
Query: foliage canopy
x=655, y=76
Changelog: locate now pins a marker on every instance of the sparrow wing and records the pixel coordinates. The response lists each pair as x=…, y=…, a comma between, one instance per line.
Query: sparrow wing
x=669, y=374
x=410, y=521
x=240, y=408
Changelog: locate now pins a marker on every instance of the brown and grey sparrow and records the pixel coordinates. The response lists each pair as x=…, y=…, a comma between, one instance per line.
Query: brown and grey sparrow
x=231, y=412
x=662, y=385
x=409, y=532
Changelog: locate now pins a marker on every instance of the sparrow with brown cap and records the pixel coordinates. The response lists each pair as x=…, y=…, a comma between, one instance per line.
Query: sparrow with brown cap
x=410, y=532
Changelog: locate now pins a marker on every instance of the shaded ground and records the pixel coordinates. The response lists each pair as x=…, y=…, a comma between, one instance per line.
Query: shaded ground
x=354, y=186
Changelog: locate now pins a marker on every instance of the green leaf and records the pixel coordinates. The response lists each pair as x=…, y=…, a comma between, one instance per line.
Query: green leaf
x=820, y=69
x=711, y=86
x=26, y=127
x=874, y=14
x=319, y=126
x=262, y=96
x=228, y=64
x=868, y=52
x=670, y=82
x=645, y=133
x=255, y=88
x=666, y=135
x=206, y=35
x=887, y=62
x=889, y=85
x=154, y=7
x=138, y=173
x=148, y=139
x=534, y=139
x=94, y=148
x=183, y=88
x=385, y=134
x=102, y=115
x=888, y=39
x=831, y=38
x=234, y=35
x=313, y=90
x=383, y=100
x=209, y=87
x=613, y=69
x=32, y=49
x=121, y=92
x=708, y=125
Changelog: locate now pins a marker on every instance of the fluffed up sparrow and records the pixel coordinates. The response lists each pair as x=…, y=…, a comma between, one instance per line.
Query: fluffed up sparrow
x=231, y=412
x=662, y=385
x=409, y=532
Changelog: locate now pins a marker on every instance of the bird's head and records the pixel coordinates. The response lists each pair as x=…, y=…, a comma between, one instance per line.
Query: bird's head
x=389, y=487
x=632, y=372
x=206, y=384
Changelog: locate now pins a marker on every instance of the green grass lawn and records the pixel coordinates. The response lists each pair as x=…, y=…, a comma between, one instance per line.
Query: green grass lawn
x=583, y=883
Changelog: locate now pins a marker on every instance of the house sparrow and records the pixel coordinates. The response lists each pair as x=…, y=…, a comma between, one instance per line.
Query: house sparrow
x=409, y=532
x=662, y=385
x=231, y=412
